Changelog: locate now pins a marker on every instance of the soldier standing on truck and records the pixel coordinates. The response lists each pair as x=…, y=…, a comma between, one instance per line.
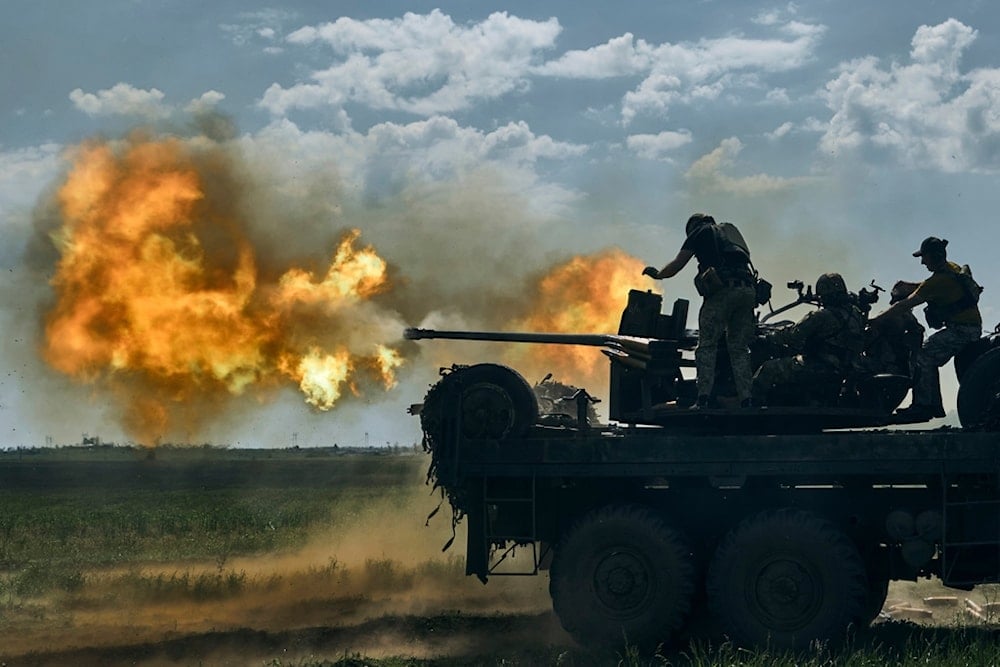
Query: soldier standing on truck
x=952, y=299
x=825, y=346
x=726, y=283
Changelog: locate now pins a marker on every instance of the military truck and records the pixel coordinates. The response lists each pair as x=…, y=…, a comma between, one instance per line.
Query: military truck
x=786, y=523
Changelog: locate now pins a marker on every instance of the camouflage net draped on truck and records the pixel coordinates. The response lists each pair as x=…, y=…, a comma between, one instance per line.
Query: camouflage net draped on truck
x=479, y=402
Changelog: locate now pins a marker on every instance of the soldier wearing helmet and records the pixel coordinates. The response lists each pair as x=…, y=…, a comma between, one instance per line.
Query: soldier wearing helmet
x=952, y=307
x=726, y=283
x=820, y=350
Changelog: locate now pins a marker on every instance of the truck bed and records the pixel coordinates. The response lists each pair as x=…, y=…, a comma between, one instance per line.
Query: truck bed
x=645, y=452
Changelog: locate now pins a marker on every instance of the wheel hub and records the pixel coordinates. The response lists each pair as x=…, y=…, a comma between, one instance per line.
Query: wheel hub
x=786, y=593
x=486, y=411
x=622, y=582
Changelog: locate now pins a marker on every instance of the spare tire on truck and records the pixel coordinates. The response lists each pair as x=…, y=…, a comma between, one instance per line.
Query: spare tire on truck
x=492, y=401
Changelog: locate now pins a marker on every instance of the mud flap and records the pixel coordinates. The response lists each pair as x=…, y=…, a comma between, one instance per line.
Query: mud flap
x=477, y=550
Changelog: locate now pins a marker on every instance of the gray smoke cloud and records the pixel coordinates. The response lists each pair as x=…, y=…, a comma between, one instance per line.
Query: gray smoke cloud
x=463, y=247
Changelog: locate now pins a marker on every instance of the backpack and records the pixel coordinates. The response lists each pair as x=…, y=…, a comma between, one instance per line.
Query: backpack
x=938, y=316
x=732, y=246
x=735, y=253
x=969, y=285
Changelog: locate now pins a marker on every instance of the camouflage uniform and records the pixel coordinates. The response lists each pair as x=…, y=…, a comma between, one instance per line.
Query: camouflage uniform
x=961, y=327
x=892, y=344
x=937, y=350
x=729, y=311
x=826, y=344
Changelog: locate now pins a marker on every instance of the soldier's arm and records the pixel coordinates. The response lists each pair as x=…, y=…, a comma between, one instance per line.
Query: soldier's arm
x=672, y=268
x=909, y=303
x=796, y=336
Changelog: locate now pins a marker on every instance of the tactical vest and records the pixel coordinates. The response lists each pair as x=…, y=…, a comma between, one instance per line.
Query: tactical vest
x=939, y=315
x=733, y=251
x=842, y=347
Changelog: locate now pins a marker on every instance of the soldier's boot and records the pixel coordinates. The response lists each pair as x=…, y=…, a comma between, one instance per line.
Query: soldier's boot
x=701, y=403
x=922, y=412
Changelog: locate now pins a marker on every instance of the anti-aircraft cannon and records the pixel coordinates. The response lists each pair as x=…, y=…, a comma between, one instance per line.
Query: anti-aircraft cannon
x=647, y=383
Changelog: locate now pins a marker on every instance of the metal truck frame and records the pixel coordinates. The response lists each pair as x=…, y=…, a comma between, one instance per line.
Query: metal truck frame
x=786, y=535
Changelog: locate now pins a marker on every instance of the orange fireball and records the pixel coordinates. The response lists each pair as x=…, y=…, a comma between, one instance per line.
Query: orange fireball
x=585, y=294
x=159, y=298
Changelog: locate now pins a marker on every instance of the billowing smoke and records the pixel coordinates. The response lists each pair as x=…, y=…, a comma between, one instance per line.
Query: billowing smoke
x=187, y=282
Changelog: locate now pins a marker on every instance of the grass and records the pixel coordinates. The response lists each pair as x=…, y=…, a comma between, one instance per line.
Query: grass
x=95, y=546
x=955, y=647
x=53, y=539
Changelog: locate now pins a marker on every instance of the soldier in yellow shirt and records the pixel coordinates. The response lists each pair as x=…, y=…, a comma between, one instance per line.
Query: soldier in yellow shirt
x=952, y=308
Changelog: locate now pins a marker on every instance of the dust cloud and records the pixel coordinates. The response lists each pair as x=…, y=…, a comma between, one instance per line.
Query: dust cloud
x=362, y=583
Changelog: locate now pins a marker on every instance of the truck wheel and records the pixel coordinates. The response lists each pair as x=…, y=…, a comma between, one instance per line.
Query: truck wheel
x=979, y=393
x=785, y=578
x=621, y=575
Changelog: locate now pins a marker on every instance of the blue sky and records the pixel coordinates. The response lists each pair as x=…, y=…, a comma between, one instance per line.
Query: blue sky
x=475, y=144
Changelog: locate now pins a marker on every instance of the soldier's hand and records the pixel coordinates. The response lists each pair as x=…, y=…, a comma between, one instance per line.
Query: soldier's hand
x=652, y=272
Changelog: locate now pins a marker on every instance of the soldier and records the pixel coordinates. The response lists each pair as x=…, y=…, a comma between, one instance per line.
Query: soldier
x=726, y=283
x=825, y=346
x=952, y=303
x=892, y=342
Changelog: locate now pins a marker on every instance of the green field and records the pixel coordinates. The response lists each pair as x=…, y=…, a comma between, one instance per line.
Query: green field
x=303, y=557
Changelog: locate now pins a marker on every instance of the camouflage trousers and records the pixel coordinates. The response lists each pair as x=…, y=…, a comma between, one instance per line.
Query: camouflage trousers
x=729, y=311
x=935, y=353
x=799, y=381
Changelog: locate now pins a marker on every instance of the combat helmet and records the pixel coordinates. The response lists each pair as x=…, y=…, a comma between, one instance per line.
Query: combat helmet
x=696, y=221
x=831, y=287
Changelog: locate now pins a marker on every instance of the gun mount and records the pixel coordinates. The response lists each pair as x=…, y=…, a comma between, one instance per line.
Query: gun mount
x=649, y=355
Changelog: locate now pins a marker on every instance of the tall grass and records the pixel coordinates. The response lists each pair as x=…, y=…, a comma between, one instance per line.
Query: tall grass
x=956, y=647
x=52, y=541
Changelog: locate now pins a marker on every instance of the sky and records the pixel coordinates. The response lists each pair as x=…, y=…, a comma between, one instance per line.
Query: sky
x=476, y=145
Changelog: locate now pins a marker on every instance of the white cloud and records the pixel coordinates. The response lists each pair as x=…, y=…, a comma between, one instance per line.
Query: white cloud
x=121, y=99
x=778, y=96
x=252, y=28
x=927, y=113
x=657, y=146
x=24, y=173
x=619, y=56
x=391, y=156
x=424, y=64
x=686, y=72
x=208, y=101
x=708, y=174
x=780, y=131
x=427, y=64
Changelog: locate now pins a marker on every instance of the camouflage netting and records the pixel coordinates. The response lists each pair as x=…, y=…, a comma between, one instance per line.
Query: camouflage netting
x=441, y=473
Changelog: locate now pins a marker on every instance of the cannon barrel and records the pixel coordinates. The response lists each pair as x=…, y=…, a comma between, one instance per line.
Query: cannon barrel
x=594, y=340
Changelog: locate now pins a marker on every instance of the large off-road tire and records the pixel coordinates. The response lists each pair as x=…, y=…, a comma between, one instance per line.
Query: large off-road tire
x=496, y=402
x=979, y=393
x=785, y=578
x=621, y=575
x=970, y=354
